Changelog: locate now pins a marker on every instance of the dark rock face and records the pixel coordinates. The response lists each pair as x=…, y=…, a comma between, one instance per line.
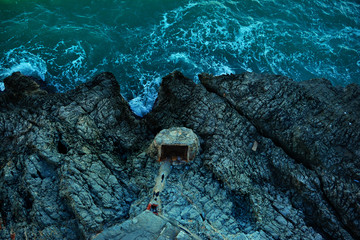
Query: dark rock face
x=317, y=125
x=62, y=175
x=19, y=88
x=278, y=160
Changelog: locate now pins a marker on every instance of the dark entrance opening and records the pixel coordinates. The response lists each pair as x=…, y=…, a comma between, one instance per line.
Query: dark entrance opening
x=174, y=153
x=61, y=147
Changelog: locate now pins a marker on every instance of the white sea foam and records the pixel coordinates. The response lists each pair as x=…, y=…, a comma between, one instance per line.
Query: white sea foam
x=25, y=68
x=143, y=103
x=20, y=60
x=187, y=38
x=71, y=59
x=218, y=37
x=183, y=58
x=190, y=49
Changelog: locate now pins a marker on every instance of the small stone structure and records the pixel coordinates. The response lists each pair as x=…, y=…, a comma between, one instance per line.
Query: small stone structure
x=177, y=144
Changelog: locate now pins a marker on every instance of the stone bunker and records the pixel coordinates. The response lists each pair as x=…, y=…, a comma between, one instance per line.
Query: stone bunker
x=177, y=145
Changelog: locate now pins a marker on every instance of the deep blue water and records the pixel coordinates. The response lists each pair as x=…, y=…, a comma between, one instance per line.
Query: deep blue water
x=66, y=42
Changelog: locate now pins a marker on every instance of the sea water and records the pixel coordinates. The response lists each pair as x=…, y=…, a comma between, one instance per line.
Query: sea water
x=67, y=42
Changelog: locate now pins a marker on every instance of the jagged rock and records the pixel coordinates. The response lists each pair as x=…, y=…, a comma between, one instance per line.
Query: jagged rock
x=19, y=87
x=274, y=174
x=18, y=83
x=317, y=125
x=144, y=226
x=74, y=165
x=62, y=171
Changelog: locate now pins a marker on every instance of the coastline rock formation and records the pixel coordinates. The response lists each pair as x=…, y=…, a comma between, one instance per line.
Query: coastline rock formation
x=279, y=160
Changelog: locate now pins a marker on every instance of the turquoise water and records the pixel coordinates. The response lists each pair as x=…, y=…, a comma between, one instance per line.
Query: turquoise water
x=66, y=42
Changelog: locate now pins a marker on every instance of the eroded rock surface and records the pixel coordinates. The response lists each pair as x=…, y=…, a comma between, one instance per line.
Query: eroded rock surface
x=62, y=155
x=279, y=160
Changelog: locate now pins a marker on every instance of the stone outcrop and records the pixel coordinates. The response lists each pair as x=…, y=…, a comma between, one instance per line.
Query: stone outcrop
x=62, y=175
x=317, y=126
x=278, y=160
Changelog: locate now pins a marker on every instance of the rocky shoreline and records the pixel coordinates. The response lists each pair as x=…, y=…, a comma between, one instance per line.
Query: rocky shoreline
x=279, y=160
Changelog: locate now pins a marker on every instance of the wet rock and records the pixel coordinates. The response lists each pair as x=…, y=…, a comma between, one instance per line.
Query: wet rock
x=19, y=87
x=278, y=160
x=315, y=124
x=63, y=176
x=224, y=112
x=144, y=226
